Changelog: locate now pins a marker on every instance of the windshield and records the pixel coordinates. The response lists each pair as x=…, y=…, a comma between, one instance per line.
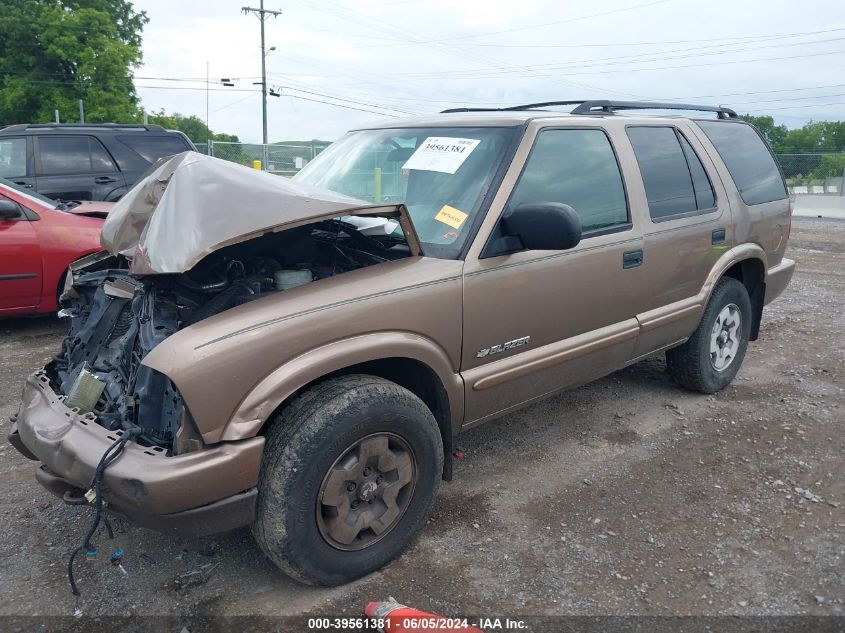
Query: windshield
x=440, y=174
x=47, y=202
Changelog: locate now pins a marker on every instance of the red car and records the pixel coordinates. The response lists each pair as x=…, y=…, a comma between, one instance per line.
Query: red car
x=39, y=237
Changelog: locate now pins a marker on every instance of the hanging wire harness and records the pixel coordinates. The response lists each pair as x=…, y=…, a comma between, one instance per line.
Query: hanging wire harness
x=95, y=498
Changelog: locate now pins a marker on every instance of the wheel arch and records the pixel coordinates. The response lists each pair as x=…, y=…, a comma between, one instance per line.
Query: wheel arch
x=751, y=273
x=411, y=361
x=419, y=379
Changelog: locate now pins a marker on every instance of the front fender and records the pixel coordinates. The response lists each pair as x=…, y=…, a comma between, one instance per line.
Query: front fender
x=266, y=396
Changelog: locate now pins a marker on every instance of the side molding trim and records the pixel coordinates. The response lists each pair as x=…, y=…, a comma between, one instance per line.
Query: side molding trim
x=557, y=353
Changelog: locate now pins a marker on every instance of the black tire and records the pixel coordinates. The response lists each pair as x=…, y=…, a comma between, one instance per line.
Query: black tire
x=692, y=365
x=304, y=444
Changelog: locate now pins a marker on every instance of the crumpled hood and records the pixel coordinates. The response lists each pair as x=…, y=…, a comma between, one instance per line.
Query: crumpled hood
x=189, y=205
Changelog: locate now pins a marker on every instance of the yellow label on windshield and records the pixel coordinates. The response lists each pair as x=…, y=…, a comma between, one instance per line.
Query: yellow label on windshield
x=451, y=216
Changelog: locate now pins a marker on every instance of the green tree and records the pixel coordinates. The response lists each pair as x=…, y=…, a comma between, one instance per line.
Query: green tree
x=55, y=52
x=193, y=126
x=816, y=136
x=774, y=134
x=831, y=165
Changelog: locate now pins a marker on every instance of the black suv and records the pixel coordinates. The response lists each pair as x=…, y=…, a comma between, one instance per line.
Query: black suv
x=84, y=161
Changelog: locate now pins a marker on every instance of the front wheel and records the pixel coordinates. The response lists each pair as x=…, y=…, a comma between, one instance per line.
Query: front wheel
x=712, y=356
x=349, y=474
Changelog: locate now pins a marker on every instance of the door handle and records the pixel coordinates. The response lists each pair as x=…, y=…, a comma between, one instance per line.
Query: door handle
x=101, y=180
x=632, y=259
x=718, y=236
x=24, y=184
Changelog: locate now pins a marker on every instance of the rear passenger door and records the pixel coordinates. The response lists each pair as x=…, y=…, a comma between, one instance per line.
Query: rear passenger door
x=539, y=321
x=685, y=230
x=75, y=168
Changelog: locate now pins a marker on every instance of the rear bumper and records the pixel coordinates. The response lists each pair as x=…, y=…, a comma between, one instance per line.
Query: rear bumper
x=207, y=491
x=777, y=278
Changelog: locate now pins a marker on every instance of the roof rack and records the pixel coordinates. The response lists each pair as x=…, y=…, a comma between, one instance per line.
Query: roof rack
x=18, y=127
x=609, y=107
x=603, y=106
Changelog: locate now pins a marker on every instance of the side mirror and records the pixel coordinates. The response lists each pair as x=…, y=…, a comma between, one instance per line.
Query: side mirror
x=543, y=226
x=9, y=210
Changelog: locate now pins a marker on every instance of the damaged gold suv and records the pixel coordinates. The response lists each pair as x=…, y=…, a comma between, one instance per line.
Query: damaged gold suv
x=299, y=356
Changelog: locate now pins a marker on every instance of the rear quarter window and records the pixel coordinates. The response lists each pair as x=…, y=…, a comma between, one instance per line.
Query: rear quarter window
x=151, y=147
x=748, y=159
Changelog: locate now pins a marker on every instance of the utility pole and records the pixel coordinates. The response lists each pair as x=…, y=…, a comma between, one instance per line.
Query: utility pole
x=262, y=14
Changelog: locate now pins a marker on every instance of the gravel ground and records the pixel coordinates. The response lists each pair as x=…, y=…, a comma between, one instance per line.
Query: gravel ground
x=627, y=496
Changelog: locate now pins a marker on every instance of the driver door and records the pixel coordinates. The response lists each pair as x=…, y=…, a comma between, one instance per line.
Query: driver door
x=535, y=321
x=20, y=260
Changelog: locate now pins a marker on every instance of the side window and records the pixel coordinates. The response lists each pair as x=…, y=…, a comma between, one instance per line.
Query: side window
x=100, y=159
x=66, y=155
x=579, y=168
x=704, y=196
x=674, y=178
x=749, y=161
x=13, y=157
x=151, y=147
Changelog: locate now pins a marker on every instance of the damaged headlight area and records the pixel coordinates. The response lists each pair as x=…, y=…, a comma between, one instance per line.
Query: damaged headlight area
x=117, y=318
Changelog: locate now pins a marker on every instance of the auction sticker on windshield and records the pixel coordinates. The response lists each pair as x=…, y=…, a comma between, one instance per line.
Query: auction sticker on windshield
x=441, y=153
x=451, y=216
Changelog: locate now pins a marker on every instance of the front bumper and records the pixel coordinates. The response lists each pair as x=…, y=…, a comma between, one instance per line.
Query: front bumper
x=198, y=493
x=777, y=278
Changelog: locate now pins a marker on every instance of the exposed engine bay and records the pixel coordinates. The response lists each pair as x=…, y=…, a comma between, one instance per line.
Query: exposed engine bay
x=116, y=318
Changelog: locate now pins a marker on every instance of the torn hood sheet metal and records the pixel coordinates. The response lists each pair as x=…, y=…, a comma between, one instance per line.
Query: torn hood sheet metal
x=189, y=205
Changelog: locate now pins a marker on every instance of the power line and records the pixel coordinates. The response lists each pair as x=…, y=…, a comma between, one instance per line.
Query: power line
x=749, y=39
x=555, y=22
x=289, y=87
x=736, y=103
x=481, y=74
x=797, y=107
x=734, y=61
x=330, y=96
x=436, y=45
x=236, y=102
x=337, y=105
x=533, y=26
x=608, y=61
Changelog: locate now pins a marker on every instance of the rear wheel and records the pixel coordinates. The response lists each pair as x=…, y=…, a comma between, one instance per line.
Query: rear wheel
x=712, y=356
x=349, y=474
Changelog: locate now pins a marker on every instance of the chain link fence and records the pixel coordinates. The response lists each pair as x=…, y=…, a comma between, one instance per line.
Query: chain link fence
x=284, y=159
x=820, y=174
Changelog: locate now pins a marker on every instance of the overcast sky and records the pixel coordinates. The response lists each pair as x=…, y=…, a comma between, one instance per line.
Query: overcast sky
x=394, y=57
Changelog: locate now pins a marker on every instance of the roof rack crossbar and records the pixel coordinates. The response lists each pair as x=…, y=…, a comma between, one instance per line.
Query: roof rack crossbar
x=604, y=106
x=543, y=104
x=17, y=127
x=609, y=107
